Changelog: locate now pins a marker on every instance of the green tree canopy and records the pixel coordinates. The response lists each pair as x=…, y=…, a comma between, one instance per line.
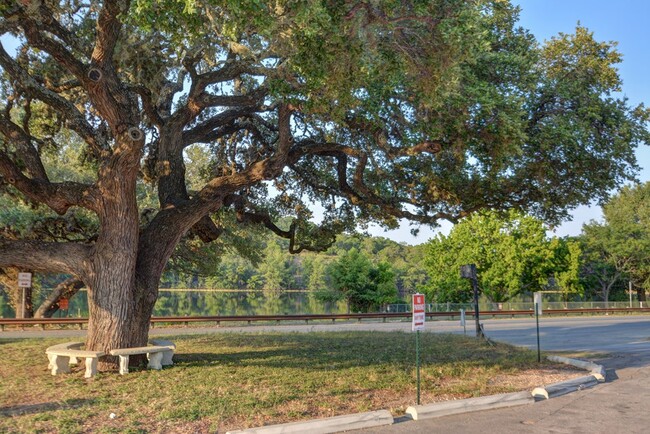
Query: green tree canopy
x=619, y=246
x=512, y=254
x=377, y=111
x=365, y=286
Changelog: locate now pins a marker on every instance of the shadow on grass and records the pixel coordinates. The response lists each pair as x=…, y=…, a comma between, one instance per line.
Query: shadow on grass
x=20, y=410
x=9, y=341
x=317, y=351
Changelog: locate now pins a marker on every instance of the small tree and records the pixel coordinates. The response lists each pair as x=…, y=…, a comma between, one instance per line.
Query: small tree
x=363, y=285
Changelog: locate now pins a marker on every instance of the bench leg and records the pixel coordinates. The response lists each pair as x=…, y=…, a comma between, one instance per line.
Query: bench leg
x=91, y=367
x=124, y=364
x=167, y=358
x=59, y=364
x=155, y=360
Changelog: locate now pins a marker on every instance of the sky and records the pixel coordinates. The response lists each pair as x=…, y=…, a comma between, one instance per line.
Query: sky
x=624, y=21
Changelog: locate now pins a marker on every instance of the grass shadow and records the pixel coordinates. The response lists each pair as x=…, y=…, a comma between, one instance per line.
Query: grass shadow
x=21, y=410
x=4, y=341
x=331, y=351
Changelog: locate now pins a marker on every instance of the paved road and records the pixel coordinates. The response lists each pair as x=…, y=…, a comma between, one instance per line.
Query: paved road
x=602, y=334
x=621, y=344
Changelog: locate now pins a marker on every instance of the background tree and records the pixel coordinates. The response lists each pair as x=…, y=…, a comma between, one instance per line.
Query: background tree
x=512, y=254
x=362, y=285
x=600, y=270
x=565, y=267
x=377, y=111
x=619, y=246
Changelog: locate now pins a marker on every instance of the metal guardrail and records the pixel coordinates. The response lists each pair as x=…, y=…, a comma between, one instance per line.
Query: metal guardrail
x=385, y=316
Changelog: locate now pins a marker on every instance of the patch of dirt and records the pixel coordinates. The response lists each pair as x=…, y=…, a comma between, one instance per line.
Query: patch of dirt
x=532, y=378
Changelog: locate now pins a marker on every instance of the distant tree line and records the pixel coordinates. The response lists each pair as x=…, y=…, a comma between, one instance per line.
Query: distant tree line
x=368, y=272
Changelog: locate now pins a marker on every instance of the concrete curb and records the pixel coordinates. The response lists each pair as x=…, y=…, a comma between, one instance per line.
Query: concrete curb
x=326, y=426
x=564, y=387
x=597, y=371
x=447, y=408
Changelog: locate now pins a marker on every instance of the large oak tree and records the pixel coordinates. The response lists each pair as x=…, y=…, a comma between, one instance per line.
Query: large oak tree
x=376, y=110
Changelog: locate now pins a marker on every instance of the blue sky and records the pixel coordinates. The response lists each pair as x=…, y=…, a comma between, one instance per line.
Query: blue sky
x=624, y=21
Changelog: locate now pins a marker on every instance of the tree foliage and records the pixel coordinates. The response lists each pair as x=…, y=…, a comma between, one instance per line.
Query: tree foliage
x=363, y=285
x=512, y=254
x=619, y=246
x=377, y=111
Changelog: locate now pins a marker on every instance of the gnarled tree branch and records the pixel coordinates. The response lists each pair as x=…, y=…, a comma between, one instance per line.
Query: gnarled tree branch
x=58, y=196
x=76, y=120
x=43, y=256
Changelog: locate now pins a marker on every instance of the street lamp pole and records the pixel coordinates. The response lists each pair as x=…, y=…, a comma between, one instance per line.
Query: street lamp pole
x=469, y=272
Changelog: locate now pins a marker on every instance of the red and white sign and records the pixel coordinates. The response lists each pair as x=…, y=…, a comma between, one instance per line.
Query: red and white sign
x=24, y=280
x=419, y=316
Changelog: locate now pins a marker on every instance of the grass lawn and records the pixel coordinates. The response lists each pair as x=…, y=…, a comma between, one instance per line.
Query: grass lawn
x=236, y=380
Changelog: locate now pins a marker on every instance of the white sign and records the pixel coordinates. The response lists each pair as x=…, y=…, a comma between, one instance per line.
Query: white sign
x=24, y=280
x=419, y=316
x=538, y=302
x=462, y=317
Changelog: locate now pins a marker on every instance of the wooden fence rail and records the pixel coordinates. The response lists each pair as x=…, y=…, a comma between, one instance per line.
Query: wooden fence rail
x=386, y=316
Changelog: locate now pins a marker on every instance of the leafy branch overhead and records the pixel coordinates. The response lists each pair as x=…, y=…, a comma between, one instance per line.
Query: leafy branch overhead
x=375, y=111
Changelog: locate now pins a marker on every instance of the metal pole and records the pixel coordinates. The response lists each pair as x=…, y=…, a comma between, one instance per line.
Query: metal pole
x=417, y=363
x=22, y=313
x=539, y=354
x=630, y=286
x=476, y=314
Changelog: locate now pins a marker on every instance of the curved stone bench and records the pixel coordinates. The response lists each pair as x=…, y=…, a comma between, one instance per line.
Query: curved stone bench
x=167, y=355
x=65, y=346
x=154, y=355
x=62, y=355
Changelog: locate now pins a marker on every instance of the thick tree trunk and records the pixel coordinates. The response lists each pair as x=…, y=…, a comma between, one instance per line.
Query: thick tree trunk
x=120, y=311
x=124, y=289
x=110, y=274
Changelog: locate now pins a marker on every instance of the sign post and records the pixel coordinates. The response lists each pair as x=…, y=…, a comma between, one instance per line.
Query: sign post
x=419, y=318
x=469, y=272
x=630, y=289
x=63, y=305
x=462, y=321
x=537, y=296
x=24, y=282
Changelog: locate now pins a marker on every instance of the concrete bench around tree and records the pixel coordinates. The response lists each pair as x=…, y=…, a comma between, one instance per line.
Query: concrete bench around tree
x=154, y=355
x=167, y=355
x=61, y=356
